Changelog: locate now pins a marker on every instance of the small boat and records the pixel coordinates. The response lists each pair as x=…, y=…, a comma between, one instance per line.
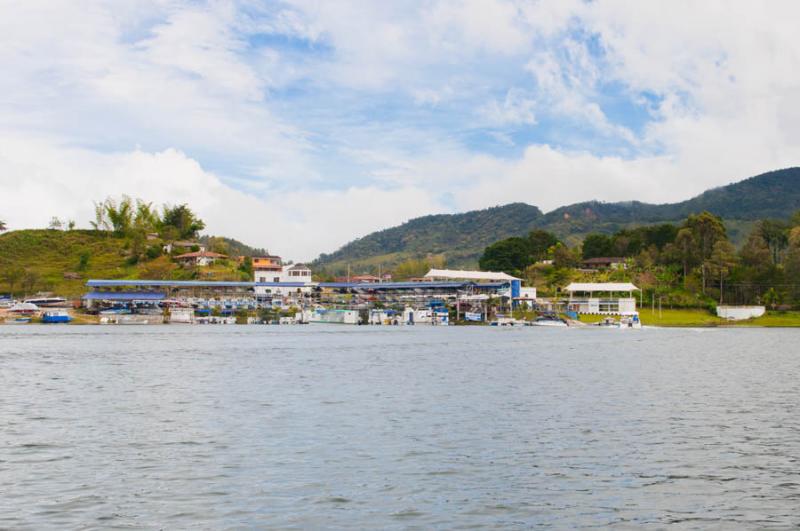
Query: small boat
x=608, y=322
x=48, y=302
x=549, y=320
x=56, y=316
x=18, y=320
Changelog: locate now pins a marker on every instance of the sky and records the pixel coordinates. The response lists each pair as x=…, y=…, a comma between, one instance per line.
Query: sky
x=301, y=125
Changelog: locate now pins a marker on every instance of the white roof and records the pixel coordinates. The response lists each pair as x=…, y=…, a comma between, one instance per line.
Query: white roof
x=601, y=286
x=468, y=275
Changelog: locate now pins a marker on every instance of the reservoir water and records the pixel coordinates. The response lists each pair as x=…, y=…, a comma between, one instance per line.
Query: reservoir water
x=171, y=427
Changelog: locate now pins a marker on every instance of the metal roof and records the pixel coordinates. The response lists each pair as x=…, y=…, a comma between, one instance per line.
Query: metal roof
x=124, y=296
x=98, y=283
x=601, y=286
x=404, y=285
x=468, y=275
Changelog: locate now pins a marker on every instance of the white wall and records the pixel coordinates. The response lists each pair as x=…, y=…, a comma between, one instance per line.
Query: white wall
x=736, y=313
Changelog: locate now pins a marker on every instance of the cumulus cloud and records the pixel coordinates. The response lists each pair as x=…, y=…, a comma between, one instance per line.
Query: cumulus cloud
x=299, y=125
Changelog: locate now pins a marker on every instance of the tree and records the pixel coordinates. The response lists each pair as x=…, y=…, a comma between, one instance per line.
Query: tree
x=12, y=276
x=146, y=218
x=29, y=280
x=596, y=245
x=120, y=216
x=775, y=234
x=413, y=267
x=707, y=229
x=721, y=262
x=540, y=243
x=71, y=224
x=792, y=262
x=564, y=257
x=83, y=260
x=755, y=253
x=183, y=220
x=3, y=226
x=509, y=256
x=685, y=245
x=55, y=224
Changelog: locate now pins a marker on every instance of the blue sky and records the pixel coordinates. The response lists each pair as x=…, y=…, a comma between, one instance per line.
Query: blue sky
x=301, y=125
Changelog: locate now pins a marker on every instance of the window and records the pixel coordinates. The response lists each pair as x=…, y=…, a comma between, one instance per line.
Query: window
x=277, y=279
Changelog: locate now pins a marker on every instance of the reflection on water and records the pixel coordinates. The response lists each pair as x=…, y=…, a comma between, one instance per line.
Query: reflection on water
x=398, y=427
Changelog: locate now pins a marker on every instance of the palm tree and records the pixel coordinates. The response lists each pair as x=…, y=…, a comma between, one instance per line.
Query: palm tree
x=2, y=225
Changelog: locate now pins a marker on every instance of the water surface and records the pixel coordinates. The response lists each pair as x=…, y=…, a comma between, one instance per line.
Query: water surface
x=382, y=427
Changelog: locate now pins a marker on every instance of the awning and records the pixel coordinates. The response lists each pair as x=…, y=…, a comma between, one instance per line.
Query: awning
x=124, y=296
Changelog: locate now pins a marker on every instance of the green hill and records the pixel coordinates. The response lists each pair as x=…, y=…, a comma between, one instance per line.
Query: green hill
x=61, y=261
x=460, y=238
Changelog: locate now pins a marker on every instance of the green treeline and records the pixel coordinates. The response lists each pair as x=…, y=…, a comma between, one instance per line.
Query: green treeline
x=688, y=264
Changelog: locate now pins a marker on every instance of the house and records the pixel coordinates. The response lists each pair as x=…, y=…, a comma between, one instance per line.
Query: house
x=604, y=298
x=199, y=258
x=361, y=279
x=280, y=279
x=605, y=262
x=183, y=246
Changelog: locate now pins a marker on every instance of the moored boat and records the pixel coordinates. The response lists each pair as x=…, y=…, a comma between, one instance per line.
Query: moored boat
x=56, y=316
x=549, y=320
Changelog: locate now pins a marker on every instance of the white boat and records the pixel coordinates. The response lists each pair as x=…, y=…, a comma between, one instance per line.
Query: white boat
x=549, y=320
x=18, y=320
x=48, y=302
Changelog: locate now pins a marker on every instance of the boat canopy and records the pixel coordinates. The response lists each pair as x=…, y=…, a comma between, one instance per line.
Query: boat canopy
x=124, y=296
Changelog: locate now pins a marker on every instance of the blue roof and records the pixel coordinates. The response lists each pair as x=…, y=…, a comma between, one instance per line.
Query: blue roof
x=95, y=283
x=124, y=296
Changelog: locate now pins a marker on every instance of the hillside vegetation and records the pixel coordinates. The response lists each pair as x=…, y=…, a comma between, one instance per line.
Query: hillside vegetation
x=460, y=238
x=33, y=261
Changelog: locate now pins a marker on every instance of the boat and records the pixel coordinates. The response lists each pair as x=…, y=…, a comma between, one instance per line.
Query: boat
x=56, y=316
x=630, y=320
x=24, y=308
x=48, y=302
x=18, y=320
x=549, y=320
x=608, y=322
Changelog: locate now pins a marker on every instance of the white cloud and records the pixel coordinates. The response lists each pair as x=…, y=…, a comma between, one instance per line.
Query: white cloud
x=39, y=180
x=369, y=111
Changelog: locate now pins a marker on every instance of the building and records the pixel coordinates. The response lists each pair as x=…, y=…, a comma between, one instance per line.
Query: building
x=604, y=298
x=475, y=276
x=199, y=258
x=267, y=268
x=479, y=277
x=183, y=246
x=365, y=279
x=283, y=279
x=527, y=297
x=605, y=262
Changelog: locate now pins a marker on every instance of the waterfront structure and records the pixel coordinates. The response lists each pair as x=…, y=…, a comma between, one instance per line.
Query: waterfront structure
x=739, y=313
x=199, y=258
x=526, y=297
x=274, y=278
x=604, y=298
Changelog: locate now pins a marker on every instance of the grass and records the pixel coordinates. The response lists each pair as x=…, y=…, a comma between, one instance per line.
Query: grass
x=49, y=254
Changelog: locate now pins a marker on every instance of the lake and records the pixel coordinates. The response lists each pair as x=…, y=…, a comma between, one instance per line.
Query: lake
x=398, y=427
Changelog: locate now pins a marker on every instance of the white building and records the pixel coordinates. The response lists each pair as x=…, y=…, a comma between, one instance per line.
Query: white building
x=604, y=298
x=291, y=275
x=527, y=297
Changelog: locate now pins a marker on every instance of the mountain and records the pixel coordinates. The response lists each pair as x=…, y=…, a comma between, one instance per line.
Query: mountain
x=460, y=238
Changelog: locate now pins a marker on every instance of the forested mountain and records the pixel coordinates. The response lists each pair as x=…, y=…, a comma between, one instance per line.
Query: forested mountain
x=460, y=238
